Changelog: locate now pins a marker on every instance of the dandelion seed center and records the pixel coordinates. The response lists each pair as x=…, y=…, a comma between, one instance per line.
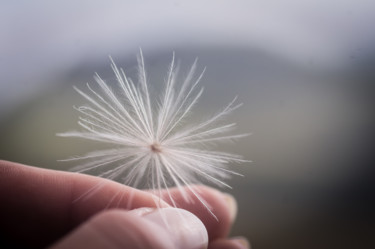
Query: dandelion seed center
x=155, y=147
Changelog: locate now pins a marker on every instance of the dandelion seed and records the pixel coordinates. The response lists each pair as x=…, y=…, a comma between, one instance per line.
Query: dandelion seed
x=153, y=146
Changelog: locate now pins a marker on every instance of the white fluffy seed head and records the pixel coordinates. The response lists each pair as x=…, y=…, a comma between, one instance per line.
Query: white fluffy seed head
x=150, y=143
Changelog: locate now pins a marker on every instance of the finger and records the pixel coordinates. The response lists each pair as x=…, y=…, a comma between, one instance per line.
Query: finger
x=143, y=228
x=38, y=205
x=223, y=206
x=233, y=243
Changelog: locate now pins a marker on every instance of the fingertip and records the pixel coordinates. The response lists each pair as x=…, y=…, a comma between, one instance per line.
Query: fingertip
x=140, y=228
x=231, y=205
x=222, y=205
x=185, y=229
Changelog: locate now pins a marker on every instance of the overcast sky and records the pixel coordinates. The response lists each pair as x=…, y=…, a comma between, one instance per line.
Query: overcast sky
x=41, y=39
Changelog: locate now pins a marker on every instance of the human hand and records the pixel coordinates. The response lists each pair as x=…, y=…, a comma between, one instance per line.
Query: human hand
x=38, y=208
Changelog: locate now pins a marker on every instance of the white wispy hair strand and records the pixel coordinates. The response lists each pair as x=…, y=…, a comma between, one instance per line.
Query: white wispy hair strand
x=152, y=142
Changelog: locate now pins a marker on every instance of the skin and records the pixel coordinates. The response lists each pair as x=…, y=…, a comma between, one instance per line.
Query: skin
x=40, y=207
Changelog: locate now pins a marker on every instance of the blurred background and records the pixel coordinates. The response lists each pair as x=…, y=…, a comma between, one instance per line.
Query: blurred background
x=304, y=71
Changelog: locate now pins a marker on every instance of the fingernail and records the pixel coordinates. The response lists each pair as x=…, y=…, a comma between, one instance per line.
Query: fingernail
x=243, y=242
x=232, y=205
x=187, y=231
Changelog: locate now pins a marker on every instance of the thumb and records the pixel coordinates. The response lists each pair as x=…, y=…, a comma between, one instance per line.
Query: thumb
x=140, y=228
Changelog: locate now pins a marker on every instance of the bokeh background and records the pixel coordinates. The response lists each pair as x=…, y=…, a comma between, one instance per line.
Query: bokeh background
x=304, y=71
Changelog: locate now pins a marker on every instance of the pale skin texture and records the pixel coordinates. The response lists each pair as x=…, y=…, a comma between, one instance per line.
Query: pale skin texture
x=38, y=209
